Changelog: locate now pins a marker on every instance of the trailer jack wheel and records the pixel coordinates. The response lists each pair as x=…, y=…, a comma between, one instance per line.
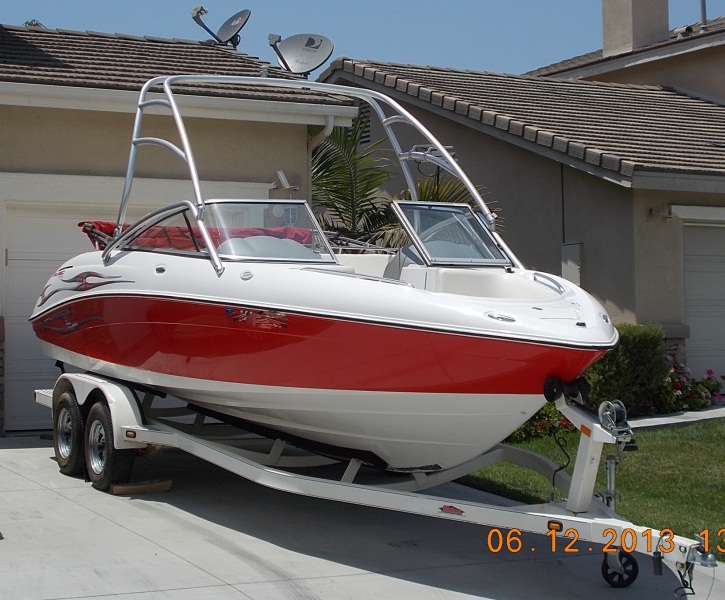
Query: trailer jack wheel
x=620, y=569
x=105, y=464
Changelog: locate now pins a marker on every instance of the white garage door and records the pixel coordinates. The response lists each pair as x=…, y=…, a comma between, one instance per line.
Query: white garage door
x=39, y=239
x=39, y=232
x=704, y=264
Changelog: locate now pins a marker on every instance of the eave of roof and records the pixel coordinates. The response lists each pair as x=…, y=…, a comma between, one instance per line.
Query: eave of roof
x=197, y=106
x=102, y=61
x=612, y=130
x=595, y=63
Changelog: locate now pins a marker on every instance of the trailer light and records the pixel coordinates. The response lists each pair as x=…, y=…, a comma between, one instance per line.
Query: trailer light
x=131, y=435
x=555, y=526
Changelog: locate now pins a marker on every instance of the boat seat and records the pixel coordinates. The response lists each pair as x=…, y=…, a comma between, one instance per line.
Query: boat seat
x=407, y=255
x=263, y=246
x=365, y=264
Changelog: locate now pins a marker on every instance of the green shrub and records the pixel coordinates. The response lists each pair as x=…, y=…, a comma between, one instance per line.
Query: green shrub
x=640, y=374
x=545, y=422
x=636, y=372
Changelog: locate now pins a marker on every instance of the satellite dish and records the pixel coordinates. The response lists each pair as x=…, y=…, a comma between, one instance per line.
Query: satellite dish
x=302, y=53
x=232, y=26
x=229, y=32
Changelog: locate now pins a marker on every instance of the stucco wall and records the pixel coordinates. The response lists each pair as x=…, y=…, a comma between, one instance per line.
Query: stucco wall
x=41, y=140
x=543, y=205
x=598, y=215
x=659, y=253
x=521, y=187
x=658, y=259
x=701, y=72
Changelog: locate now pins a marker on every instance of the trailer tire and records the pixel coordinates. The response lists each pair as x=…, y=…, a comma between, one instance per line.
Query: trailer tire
x=105, y=464
x=68, y=435
x=621, y=580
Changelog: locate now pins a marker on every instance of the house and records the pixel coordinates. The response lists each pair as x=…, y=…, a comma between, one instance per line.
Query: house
x=687, y=58
x=618, y=185
x=67, y=105
x=608, y=168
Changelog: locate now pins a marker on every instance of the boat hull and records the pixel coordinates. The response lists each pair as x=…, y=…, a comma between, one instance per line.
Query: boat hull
x=418, y=399
x=397, y=431
x=247, y=345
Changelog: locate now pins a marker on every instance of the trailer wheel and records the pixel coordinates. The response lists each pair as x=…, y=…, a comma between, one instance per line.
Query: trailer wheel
x=105, y=464
x=68, y=430
x=627, y=576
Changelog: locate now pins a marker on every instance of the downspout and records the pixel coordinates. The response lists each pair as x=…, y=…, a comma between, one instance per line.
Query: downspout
x=325, y=133
x=313, y=143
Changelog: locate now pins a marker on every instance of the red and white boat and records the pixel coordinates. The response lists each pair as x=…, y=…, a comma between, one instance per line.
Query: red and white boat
x=418, y=359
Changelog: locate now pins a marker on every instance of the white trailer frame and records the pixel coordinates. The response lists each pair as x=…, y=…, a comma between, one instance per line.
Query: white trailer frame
x=583, y=517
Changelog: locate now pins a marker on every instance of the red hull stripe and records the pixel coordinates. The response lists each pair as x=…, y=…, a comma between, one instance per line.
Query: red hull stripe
x=243, y=345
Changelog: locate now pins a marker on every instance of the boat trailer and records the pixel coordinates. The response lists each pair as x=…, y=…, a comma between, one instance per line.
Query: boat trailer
x=100, y=424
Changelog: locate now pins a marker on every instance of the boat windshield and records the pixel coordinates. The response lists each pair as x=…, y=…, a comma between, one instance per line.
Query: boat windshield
x=240, y=229
x=449, y=234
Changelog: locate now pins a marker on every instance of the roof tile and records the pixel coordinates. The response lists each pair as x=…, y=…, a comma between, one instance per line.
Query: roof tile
x=559, y=143
x=462, y=107
x=627, y=167
x=488, y=117
x=123, y=62
x=517, y=128
x=610, y=162
x=593, y=156
x=529, y=133
x=619, y=127
x=545, y=138
x=502, y=122
x=576, y=149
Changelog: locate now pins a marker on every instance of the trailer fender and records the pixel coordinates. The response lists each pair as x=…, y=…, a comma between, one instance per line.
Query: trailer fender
x=121, y=401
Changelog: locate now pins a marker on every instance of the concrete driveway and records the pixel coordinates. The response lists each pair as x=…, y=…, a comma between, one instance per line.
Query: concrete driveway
x=218, y=536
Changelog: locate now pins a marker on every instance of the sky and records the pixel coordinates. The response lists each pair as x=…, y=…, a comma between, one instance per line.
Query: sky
x=503, y=36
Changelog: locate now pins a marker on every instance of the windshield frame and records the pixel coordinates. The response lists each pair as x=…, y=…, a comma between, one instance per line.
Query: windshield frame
x=211, y=228
x=470, y=225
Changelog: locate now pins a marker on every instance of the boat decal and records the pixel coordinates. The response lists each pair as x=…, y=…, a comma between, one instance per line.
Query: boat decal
x=258, y=319
x=81, y=283
x=504, y=336
x=61, y=271
x=63, y=322
x=449, y=509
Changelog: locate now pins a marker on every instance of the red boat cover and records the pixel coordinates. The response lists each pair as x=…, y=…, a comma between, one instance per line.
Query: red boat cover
x=180, y=238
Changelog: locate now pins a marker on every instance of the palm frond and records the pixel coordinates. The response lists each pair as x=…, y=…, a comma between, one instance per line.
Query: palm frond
x=391, y=234
x=346, y=178
x=346, y=181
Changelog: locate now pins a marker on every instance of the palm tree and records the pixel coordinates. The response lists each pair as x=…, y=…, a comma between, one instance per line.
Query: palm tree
x=431, y=189
x=346, y=180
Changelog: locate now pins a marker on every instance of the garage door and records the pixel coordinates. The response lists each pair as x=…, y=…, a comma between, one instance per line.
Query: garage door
x=704, y=264
x=40, y=231
x=38, y=239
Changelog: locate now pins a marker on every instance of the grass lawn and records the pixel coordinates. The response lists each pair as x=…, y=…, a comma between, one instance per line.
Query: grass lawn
x=676, y=480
